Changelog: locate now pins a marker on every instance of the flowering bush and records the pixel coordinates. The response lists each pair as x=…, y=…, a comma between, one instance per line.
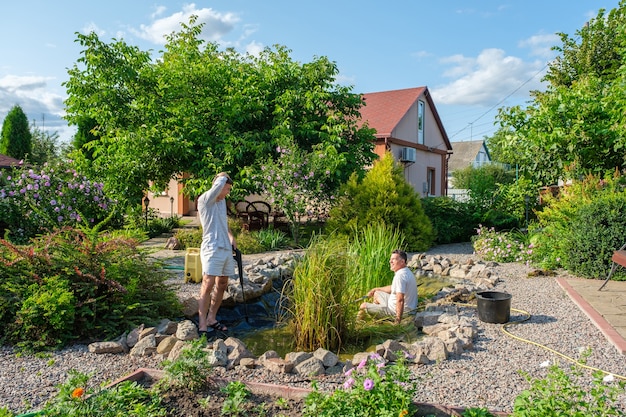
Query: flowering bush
x=371, y=389
x=36, y=201
x=297, y=183
x=501, y=246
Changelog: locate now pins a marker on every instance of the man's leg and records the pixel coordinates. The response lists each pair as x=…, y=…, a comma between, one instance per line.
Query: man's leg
x=216, y=300
x=206, y=288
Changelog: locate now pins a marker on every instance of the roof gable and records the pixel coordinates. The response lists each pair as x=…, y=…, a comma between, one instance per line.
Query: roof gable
x=464, y=154
x=384, y=110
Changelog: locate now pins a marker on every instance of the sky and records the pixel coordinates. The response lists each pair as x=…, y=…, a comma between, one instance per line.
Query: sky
x=474, y=56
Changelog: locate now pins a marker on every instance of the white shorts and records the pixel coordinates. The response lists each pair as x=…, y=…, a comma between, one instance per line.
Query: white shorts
x=380, y=310
x=217, y=262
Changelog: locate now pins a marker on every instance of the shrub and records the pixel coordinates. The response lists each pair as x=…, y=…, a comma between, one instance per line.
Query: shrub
x=558, y=394
x=598, y=229
x=189, y=238
x=385, y=197
x=75, y=284
x=553, y=231
x=453, y=221
x=34, y=202
x=502, y=246
x=272, y=239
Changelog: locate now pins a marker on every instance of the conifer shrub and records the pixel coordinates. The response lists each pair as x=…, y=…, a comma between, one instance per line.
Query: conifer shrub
x=382, y=196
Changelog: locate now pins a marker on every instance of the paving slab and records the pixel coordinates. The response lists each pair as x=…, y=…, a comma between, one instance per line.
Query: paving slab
x=606, y=308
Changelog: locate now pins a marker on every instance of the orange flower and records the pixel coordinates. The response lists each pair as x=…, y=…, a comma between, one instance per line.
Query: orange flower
x=403, y=413
x=78, y=392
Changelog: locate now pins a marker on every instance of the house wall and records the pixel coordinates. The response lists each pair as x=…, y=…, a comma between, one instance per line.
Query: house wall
x=181, y=204
x=431, y=155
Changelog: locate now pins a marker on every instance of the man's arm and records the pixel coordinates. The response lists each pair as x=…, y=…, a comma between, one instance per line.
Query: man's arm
x=386, y=289
x=399, y=306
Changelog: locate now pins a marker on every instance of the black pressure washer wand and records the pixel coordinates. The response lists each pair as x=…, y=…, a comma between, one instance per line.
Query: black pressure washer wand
x=237, y=256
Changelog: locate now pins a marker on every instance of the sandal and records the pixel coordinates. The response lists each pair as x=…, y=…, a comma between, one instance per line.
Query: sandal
x=218, y=326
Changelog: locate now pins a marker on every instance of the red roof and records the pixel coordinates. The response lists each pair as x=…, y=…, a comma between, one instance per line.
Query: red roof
x=7, y=161
x=384, y=110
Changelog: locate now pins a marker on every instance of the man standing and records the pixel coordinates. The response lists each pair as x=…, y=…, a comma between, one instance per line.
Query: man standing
x=216, y=252
x=399, y=297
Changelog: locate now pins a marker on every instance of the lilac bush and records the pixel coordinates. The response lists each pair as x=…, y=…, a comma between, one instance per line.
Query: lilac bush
x=38, y=200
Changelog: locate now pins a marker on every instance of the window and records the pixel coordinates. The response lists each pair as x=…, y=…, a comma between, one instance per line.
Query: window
x=420, y=122
x=431, y=180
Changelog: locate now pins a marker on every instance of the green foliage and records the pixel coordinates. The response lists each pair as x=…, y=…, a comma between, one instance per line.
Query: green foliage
x=558, y=394
x=75, y=284
x=152, y=223
x=248, y=242
x=191, y=369
x=45, y=147
x=272, y=239
x=598, y=229
x=577, y=125
x=509, y=246
x=16, y=140
x=553, y=233
x=372, y=389
x=189, y=238
x=202, y=111
x=476, y=412
x=453, y=221
x=518, y=199
x=75, y=399
x=34, y=202
x=237, y=392
x=4, y=412
x=383, y=196
x=317, y=298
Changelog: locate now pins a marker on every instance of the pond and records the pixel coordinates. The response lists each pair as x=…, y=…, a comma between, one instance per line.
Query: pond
x=262, y=331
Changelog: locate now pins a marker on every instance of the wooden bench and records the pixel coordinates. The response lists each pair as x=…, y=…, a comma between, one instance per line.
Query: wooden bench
x=619, y=258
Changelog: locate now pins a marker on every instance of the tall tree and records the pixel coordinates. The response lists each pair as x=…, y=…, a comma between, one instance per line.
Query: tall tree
x=16, y=137
x=573, y=127
x=198, y=110
x=45, y=146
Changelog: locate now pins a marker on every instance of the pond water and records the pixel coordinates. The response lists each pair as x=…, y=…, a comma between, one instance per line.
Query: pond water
x=262, y=331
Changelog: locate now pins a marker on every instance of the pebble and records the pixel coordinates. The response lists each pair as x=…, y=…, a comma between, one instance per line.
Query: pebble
x=487, y=376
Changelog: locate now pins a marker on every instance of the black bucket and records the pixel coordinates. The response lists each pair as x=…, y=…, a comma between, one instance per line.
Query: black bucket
x=493, y=306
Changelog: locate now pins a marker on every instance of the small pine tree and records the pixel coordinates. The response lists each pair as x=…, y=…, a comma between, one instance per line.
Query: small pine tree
x=383, y=196
x=16, y=138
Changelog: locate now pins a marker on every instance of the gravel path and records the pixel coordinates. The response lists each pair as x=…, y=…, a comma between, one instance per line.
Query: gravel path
x=487, y=376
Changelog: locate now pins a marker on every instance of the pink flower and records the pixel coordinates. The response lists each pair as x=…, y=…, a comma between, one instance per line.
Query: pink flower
x=368, y=384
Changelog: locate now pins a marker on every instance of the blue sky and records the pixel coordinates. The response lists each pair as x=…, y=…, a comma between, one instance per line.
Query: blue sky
x=474, y=55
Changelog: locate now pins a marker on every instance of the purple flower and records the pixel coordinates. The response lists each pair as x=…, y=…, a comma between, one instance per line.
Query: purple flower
x=349, y=372
x=368, y=384
x=349, y=383
x=362, y=364
x=53, y=202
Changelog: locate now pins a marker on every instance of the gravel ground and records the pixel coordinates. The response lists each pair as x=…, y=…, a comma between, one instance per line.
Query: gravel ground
x=487, y=376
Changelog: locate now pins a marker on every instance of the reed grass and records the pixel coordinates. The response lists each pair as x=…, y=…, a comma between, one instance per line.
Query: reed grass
x=330, y=279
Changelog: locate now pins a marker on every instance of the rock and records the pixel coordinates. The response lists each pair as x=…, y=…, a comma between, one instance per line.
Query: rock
x=166, y=345
x=175, y=352
x=310, y=367
x=144, y=347
x=327, y=357
x=298, y=357
x=186, y=330
x=133, y=336
x=190, y=306
x=172, y=243
x=106, y=347
x=147, y=332
x=278, y=365
x=167, y=327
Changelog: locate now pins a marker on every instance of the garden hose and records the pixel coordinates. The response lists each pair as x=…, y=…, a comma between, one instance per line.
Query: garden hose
x=568, y=358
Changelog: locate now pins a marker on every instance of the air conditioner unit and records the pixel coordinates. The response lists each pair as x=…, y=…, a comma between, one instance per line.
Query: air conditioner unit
x=407, y=155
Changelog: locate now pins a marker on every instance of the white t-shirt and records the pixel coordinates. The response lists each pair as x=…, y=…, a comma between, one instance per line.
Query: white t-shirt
x=404, y=281
x=213, y=217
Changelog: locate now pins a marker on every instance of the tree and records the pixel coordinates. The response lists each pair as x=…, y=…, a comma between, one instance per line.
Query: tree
x=383, y=196
x=45, y=146
x=576, y=126
x=198, y=110
x=16, y=137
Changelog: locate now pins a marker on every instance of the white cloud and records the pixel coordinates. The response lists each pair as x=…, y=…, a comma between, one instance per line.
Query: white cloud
x=33, y=95
x=254, y=48
x=487, y=78
x=541, y=45
x=92, y=27
x=216, y=24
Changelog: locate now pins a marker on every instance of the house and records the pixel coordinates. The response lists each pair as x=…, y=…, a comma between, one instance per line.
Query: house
x=472, y=152
x=407, y=124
